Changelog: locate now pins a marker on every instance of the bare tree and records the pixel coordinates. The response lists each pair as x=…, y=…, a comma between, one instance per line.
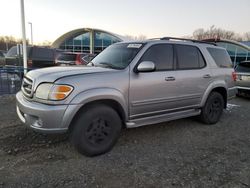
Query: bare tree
x=138, y=38
x=214, y=32
x=45, y=43
x=6, y=42
x=247, y=36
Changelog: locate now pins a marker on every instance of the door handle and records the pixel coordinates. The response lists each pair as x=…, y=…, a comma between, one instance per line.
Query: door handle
x=207, y=76
x=171, y=78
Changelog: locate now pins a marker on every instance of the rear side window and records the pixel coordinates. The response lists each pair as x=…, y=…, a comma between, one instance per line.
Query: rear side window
x=161, y=55
x=189, y=57
x=42, y=54
x=220, y=57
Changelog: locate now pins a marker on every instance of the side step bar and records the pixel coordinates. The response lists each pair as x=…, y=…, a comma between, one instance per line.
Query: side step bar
x=162, y=118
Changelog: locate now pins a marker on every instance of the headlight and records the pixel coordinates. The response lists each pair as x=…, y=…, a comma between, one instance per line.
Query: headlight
x=42, y=92
x=48, y=91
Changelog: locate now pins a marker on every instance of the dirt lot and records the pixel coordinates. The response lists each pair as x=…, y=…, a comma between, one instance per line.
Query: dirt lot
x=183, y=153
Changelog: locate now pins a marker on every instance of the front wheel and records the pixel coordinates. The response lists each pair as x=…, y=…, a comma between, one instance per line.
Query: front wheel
x=96, y=130
x=213, y=108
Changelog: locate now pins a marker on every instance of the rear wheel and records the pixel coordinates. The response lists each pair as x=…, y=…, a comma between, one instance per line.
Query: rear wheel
x=96, y=130
x=213, y=108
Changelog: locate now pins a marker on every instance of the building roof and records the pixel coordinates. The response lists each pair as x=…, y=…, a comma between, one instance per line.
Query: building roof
x=229, y=41
x=80, y=31
x=246, y=43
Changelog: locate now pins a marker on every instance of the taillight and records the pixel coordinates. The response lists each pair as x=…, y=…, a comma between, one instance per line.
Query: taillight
x=29, y=63
x=78, y=59
x=234, y=76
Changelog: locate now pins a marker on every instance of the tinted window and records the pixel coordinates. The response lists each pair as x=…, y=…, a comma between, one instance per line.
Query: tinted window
x=1, y=54
x=67, y=57
x=201, y=60
x=243, y=67
x=220, y=57
x=161, y=55
x=42, y=53
x=189, y=57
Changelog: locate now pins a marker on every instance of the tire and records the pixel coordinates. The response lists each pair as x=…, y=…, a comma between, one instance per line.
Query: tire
x=213, y=108
x=96, y=130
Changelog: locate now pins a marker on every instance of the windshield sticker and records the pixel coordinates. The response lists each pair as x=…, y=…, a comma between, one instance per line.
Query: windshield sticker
x=134, y=45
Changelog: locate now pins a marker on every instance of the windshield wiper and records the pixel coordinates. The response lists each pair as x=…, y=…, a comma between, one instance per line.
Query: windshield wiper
x=109, y=65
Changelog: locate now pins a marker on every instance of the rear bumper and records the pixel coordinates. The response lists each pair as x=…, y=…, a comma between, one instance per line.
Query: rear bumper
x=243, y=88
x=41, y=117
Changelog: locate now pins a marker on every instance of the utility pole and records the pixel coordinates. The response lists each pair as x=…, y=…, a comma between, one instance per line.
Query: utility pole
x=31, y=33
x=24, y=37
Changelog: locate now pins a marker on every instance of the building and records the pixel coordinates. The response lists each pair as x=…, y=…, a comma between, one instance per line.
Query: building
x=246, y=43
x=238, y=52
x=86, y=40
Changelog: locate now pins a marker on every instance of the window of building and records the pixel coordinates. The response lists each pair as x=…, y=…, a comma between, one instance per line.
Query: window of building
x=161, y=55
x=236, y=52
x=189, y=57
x=103, y=40
x=81, y=43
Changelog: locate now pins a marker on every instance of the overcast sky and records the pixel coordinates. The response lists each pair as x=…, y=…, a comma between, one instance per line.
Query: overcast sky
x=153, y=18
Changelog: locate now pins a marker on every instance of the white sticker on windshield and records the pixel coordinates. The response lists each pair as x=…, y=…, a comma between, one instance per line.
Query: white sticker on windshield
x=134, y=45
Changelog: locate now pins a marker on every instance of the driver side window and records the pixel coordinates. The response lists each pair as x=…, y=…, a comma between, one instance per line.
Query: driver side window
x=162, y=55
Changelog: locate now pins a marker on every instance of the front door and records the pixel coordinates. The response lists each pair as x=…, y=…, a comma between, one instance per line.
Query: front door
x=154, y=93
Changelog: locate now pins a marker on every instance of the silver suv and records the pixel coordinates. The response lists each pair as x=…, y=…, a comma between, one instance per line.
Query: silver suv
x=129, y=84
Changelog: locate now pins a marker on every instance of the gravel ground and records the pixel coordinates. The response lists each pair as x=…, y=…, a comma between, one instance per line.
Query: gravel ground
x=182, y=153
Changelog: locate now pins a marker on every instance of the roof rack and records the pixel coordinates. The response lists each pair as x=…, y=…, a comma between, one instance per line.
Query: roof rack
x=191, y=40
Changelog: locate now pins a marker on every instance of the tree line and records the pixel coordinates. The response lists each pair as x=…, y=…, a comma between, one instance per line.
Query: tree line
x=214, y=32
x=6, y=42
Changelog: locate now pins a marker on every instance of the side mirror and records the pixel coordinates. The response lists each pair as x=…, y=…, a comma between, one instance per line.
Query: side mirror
x=146, y=66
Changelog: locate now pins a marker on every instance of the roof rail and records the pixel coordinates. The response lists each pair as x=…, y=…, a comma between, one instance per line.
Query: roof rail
x=191, y=40
x=154, y=39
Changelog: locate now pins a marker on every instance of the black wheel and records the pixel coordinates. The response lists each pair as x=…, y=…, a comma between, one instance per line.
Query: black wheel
x=96, y=130
x=213, y=108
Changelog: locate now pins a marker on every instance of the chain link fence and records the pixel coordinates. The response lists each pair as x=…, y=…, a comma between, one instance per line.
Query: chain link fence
x=10, y=79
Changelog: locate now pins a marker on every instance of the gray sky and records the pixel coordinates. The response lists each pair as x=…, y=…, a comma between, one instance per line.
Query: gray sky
x=153, y=18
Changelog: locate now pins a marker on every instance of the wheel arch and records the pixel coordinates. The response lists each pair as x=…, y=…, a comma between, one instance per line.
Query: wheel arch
x=220, y=88
x=108, y=97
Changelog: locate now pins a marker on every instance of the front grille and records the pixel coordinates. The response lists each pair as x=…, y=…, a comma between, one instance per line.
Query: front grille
x=27, y=87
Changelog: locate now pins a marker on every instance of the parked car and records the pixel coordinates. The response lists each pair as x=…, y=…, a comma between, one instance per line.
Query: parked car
x=37, y=57
x=130, y=84
x=243, y=77
x=2, y=59
x=69, y=58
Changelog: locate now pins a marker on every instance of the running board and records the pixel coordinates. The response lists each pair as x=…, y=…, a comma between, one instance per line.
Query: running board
x=162, y=118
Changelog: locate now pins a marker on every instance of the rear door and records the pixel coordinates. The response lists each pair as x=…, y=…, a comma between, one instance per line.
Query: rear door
x=192, y=75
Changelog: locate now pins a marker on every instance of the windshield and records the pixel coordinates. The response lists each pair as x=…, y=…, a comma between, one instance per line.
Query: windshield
x=117, y=56
x=13, y=52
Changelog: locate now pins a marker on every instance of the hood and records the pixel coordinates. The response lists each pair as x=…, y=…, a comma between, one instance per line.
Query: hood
x=52, y=74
